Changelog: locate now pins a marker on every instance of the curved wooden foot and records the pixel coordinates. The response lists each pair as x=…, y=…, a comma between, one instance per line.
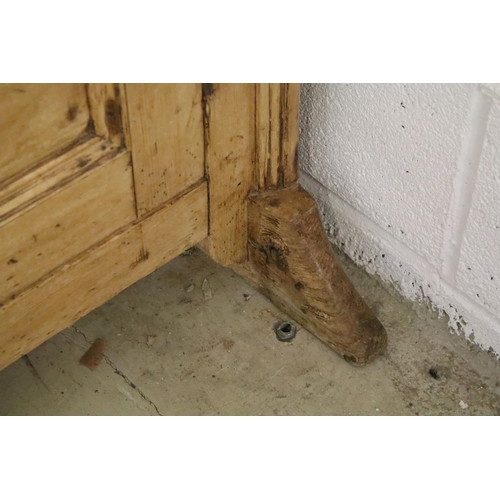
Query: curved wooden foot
x=292, y=263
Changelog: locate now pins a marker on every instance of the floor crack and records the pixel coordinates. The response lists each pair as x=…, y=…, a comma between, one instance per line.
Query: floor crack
x=131, y=384
x=77, y=330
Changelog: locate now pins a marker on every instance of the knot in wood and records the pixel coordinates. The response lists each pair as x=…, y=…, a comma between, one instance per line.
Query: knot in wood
x=276, y=252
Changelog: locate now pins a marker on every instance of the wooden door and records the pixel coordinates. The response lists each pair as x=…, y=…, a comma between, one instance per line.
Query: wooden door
x=100, y=184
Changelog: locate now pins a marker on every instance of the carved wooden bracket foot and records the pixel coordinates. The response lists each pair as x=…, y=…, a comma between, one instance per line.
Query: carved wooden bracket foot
x=292, y=263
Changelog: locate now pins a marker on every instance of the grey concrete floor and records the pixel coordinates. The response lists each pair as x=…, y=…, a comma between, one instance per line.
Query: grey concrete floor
x=171, y=352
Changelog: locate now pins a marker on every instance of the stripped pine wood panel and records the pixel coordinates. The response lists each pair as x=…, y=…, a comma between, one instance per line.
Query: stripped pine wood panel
x=65, y=223
x=103, y=138
x=64, y=168
x=229, y=120
x=166, y=134
x=36, y=120
x=101, y=272
x=276, y=134
x=127, y=139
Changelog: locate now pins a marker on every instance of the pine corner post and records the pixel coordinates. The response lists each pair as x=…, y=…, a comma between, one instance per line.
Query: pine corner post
x=267, y=227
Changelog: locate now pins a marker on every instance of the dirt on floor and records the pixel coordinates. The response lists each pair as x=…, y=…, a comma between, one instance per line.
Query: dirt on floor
x=194, y=338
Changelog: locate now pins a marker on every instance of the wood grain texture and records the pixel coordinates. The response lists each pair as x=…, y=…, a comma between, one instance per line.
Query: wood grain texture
x=65, y=167
x=100, y=136
x=105, y=102
x=229, y=120
x=292, y=263
x=276, y=134
x=166, y=131
x=65, y=223
x=36, y=120
x=101, y=272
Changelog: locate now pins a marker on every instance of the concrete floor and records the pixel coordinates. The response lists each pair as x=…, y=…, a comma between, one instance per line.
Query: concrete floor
x=171, y=352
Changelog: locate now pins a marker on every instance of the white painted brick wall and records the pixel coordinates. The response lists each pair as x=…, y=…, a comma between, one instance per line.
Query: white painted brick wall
x=407, y=178
x=479, y=260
